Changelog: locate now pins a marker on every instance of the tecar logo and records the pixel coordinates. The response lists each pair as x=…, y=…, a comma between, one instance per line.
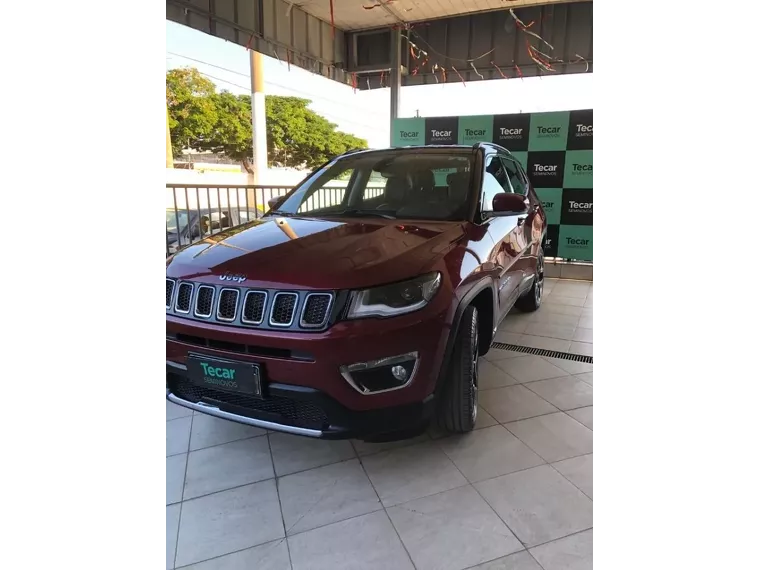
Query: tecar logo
x=409, y=134
x=580, y=130
x=582, y=167
x=549, y=168
x=511, y=133
x=475, y=132
x=548, y=205
x=577, y=241
x=440, y=134
x=583, y=130
x=580, y=205
x=549, y=132
x=218, y=375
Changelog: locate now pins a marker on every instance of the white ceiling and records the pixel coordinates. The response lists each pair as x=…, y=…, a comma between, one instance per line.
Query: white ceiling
x=353, y=15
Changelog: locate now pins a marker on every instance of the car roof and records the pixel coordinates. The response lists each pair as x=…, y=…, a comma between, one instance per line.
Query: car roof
x=450, y=147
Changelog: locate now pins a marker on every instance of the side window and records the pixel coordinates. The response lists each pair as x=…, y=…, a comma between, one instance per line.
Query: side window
x=494, y=166
x=514, y=173
x=490, y=187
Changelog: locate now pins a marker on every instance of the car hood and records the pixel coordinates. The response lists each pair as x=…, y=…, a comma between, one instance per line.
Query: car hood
x=318, y=253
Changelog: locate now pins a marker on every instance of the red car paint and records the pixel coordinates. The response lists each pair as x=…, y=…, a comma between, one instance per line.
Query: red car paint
x=491, y=260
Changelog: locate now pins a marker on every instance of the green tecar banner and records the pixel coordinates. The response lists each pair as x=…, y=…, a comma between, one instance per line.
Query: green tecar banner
x=556, y=150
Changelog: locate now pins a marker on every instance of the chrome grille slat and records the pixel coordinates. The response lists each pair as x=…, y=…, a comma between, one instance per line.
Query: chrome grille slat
x=170, y=283
x=254, y=307
x=282, y=313
x=204, y=301
x=184, y=298
x=316, y=310
x=226, y=310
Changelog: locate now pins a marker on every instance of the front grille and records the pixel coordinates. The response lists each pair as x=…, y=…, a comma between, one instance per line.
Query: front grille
x=283, y=309
x=169, y=292
x=204, y=301
x=184, y=297
x=227, y=309
x=277, y=409
x=264, y=309
x=253, y=311
x=315, y=310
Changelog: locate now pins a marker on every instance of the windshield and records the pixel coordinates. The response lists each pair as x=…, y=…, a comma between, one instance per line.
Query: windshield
x=390, y=184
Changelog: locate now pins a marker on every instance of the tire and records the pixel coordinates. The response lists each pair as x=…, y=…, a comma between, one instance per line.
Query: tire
x=531, y=301
x=457, y=412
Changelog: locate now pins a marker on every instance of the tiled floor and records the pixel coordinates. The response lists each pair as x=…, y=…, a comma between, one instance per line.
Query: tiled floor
x=515, y=494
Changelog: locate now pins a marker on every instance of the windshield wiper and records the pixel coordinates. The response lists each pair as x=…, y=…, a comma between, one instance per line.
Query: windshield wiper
x=357, y=212
x=280, y=213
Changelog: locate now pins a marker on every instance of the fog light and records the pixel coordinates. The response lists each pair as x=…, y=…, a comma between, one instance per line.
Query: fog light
x=381, y=375
x=399, y=372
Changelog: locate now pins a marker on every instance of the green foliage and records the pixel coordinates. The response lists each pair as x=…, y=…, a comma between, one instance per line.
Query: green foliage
x=200, y=118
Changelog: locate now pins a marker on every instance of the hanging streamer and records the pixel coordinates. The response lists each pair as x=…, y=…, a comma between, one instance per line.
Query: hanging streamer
x=250, y=41
x=288, y=58
x=332, y=17
x=499, y=70
x=368, y=85
x=524, y=27
x=382, y=79
x=475, y=70
x=354, y=82
x=519, y=71
x=276, y=55
x=457, y=73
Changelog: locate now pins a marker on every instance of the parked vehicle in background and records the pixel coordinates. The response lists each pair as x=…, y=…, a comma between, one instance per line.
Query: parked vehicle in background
x=362, y=316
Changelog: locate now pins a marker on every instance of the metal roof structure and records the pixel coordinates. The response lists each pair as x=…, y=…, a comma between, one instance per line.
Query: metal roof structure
x=352, y=41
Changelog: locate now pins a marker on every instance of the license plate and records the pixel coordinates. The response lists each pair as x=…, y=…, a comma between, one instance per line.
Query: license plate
x=224, y=375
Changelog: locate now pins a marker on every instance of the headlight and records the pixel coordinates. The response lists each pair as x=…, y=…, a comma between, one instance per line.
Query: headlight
x=395, y=299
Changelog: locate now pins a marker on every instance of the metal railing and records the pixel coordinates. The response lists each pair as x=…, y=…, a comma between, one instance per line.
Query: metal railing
x=197, y=211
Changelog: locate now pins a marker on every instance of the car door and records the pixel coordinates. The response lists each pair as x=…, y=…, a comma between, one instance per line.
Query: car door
x=524, y=240
x=504, y=231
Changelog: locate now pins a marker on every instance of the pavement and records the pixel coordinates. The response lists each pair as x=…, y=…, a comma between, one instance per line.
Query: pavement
x=515, y=494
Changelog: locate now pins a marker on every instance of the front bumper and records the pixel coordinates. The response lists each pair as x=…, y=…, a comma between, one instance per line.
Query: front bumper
x=300, y=410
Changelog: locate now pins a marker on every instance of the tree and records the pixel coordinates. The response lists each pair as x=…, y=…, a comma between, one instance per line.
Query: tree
x=192, y=110
x=202, y=119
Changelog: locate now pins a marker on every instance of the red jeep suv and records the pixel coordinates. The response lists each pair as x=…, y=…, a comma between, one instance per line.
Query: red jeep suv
x=359, y=305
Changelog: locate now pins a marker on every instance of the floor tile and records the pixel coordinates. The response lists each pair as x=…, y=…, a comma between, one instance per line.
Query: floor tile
x=570, y=553
x=555, y=319
x=491, y=376
x=270, y=556
x=484, y=419
x=556, y=299
x=506, y=337
x=229, y=521
x=518, y=561
x=405, y=474
x=368, y=542
x=452, y=530
x=365, y=448
x=178, y=435
x=583, y=335
x=296, y=453
x=588, y=303
x=514, y=323
x=566, y=392
x=568, y=289
x=497, y=354
x=559, y=309
x=175, y=468
x=172, y=524
x=538, y=504
x=174, y=411
x=513, y=403
x=325, y=495
x=585, y=348
x=544, y=342
x=586, y=322
x=550, y=331
x=530, y=368
x=208, y=430
x=570, y=366
x=579, y=471
x=554, y=437
x=584, y=416
x=489, y=452
x=592, y=377
x=228, y=465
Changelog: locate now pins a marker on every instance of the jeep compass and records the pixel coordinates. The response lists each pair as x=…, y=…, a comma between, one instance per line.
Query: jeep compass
x=358, y=306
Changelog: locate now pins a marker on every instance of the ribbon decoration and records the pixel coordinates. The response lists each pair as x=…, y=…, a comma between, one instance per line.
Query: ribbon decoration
x=332, y=17
x=499, y=70
x=288, y=57
x=524, y=27
x=457, y=73
x=475, y=70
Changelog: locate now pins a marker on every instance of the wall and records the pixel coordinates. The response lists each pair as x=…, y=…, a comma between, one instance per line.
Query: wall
x=556, y=150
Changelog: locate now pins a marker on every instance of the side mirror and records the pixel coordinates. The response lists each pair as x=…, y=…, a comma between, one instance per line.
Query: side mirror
x=275, y=202
x=508, y=203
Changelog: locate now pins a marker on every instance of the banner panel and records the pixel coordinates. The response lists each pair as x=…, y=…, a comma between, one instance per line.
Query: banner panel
x=556, y=151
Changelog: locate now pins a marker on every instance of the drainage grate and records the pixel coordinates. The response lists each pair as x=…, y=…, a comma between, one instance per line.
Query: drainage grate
x=543, y=352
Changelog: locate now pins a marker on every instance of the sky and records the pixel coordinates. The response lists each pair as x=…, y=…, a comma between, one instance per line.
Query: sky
x=366, y=114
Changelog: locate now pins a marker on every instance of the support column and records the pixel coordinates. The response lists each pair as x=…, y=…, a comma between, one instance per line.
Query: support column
x=395, y=75
x=258, y=103
x=169, y=151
